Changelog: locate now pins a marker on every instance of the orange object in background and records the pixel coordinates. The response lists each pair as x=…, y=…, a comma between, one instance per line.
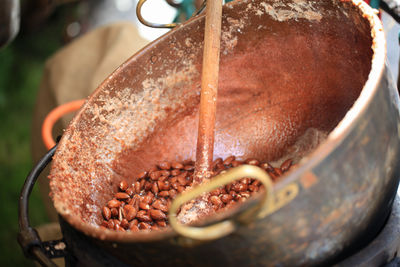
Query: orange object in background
x=54, y=116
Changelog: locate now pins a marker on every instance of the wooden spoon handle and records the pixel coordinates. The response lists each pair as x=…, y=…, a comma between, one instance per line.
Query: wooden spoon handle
x=209, y=88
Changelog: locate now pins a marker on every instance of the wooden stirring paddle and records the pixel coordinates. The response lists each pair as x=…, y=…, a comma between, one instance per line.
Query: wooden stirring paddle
x=209, y=88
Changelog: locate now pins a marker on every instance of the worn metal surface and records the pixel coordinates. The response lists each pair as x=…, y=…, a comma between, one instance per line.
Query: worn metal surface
x=384, y=248
x=290, y=72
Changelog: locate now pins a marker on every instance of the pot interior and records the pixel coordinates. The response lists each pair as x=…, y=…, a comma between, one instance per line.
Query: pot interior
x=289, y=72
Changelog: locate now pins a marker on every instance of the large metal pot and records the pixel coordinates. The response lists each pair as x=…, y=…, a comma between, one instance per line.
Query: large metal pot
x=300, y=79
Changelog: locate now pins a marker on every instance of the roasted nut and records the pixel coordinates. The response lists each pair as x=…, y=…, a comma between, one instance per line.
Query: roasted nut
x=120, y=214
x=150, y=195
x=165, y=173
x=161, y=223
x=278, y=171
x=147, y=199
x=285, y=166
x=241, y=199
x=188, y=162
x=144, y=226
x=134, y=228
x=245, y=194
x=172, y=180
x=154, y=227
x=144, y=206
x=239, y=187
x=118, y=227
x=252, y=162
x=163, y=194
x=164, y=165
x=217, y=162
x=135, y=201
x=175, y=185
x=228, y=187
x=216, y=201
x=245, y=181
x=142, y=175
x=266, y=166
x=273, y=176
x=236, y=163
x=155, y=175
x=130, y=191
x=229, y=160
x=157, y=215
x=177, y=165
x=113, y=203
x=175, y=172
x=154, y=188
x=172, y=193
x=129, y=212
x=226, y=198
x=221, y=167
x=137, y=187
x=216, y=192
x=114, y=212
x=253, y=188
x=189, y=167
x=110, y=224
x=123, y=185
x=182, y=178
x=163, y=185
x=122, y=196
x=125, y=224
x=160, y=206
x=106, y=213
x=116, y=222
x=180, y=189
x=142, y=183
x=133, y=222
x=143, y=216
x=163, y=178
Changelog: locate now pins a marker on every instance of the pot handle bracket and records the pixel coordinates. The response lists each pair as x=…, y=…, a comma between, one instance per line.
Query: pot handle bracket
x=271, y=201
x=28, y=238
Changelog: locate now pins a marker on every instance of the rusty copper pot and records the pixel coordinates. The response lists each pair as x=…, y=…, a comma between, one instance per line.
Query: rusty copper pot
x=299, y=79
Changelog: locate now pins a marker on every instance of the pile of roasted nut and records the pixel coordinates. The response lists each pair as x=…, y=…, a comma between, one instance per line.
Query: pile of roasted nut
x=144, y=204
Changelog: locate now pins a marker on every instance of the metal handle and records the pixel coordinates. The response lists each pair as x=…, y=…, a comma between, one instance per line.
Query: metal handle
x=28, y=238
x=53, y=116
x=224, y=228
x=158, y=25
x=147, y=23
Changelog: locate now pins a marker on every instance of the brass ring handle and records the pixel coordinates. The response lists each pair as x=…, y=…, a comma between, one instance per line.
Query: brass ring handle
x=224, y=228
x=147, y=23
x=158, y=25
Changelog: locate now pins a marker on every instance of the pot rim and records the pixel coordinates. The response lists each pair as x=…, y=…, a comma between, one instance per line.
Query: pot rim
x=334, y=139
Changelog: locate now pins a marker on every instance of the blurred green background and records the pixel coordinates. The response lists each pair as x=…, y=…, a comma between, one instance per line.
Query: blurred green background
x=21, y=67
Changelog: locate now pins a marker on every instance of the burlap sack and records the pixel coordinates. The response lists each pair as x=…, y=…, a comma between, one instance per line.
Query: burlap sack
x=73, y=73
